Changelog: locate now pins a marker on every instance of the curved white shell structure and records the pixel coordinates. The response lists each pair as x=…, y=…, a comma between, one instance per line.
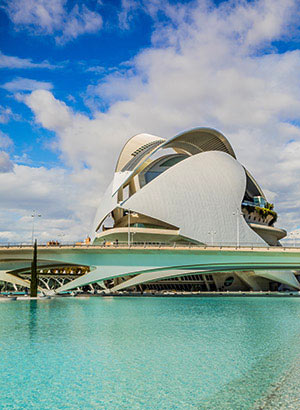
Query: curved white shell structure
x=199, y=195
x=178, y=215
x=190, y=188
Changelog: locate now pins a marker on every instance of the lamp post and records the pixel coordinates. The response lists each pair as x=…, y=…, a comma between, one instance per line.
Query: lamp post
x=132, y=235
x=212, y=233
x=33, y=216
x=238, y=213
x=34, y=274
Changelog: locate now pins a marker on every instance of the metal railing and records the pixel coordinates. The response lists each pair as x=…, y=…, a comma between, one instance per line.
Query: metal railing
x=290, y=242
x=151, y=245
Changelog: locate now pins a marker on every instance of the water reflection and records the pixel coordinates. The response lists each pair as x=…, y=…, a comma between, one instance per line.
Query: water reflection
x=33, y=317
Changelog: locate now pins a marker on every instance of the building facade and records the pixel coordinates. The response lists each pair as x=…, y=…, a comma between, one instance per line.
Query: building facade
x=180, y=215
x=190, y=189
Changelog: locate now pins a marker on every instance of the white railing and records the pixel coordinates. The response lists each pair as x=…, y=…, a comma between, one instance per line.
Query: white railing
x=155, y=245
x=290, y=242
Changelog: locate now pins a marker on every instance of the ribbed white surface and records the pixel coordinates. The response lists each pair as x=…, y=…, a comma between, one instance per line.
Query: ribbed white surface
x=199, y=195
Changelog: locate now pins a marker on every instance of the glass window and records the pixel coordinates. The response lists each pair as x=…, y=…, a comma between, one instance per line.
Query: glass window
x=150, y=175
x=173, y=161
x=229, y=281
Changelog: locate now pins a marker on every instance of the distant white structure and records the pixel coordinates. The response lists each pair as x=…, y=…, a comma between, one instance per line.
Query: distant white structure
x=188, y=189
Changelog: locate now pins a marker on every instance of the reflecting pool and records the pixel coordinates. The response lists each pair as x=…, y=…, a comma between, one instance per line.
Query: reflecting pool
x=150, y=353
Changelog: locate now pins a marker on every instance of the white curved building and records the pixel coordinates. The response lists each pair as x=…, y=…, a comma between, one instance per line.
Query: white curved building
x=188, y=189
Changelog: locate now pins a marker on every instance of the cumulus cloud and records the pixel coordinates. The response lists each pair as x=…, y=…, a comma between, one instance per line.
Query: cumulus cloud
x=53, y=17
x=5, y=163
x=207, y=66
x=60, y=197
x=16, y=62
x=26, y=84
x=82, y=141
x=50, y=112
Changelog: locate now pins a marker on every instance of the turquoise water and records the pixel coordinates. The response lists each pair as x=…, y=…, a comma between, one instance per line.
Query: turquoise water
x=148, y=353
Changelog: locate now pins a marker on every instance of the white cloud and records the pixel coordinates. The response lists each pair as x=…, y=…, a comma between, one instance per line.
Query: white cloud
x=206, y=68
x=83, y=141
x=98, y=69
x=23, y=159
x=26, y=84
x=116, y=87
x=6, y=115
x=57, y=195
x=16, y=62
x=128, y=10
x=5, y=141
x=80, y=20
x=5, y=163
x=51, y=113
x=43, y=17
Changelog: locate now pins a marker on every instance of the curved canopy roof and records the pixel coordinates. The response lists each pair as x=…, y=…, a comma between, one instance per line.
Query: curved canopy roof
x=199, y=140
x=193, y=142
x=140, y=147
x=135, y=149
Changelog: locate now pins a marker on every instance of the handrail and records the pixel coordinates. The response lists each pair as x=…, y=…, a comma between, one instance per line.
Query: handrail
x=151, y=245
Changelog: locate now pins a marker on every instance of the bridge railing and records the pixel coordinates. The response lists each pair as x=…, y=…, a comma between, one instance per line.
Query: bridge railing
x=150, y=245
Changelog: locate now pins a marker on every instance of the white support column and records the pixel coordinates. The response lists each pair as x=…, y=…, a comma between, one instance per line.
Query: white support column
x=128, y=228
x=45, y=283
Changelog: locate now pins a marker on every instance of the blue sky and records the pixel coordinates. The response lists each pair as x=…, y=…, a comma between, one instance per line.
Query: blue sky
x=74, y=66
x=78, y=78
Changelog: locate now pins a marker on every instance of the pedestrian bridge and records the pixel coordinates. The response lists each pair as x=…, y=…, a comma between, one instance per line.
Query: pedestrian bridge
x=143, y=263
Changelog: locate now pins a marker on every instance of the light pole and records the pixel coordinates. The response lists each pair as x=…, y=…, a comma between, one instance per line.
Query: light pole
x=132, y=235
x=212, y=233
x=238, y=213
x=33, y=216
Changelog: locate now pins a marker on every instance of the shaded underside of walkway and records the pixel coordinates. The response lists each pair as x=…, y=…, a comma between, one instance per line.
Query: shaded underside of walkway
x=153, y=262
